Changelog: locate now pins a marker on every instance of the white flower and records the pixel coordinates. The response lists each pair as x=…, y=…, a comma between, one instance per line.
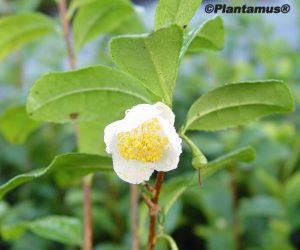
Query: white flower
x=144, y=141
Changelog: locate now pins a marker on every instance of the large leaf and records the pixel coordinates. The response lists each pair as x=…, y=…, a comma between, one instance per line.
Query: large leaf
x=208, y=36
x=92, y=138
x=16, y=125
x=175, y=12
x=90, y=94
x=18, y=30
x=153, y=58
x=238, y=103
x=72, y=163
x=62, y=229
x=99, y=17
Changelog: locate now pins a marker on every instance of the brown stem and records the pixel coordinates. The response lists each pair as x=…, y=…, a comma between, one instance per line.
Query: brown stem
x=87, y=207
x=67, y=32
x=87, y=214
x=235, y=201
x=134, y=217
x=152, y=233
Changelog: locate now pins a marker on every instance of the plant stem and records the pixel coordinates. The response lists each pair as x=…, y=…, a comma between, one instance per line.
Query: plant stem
x=134, y=216
x=87, y=206
x=87, y=214
x=152, y=233
x=235, y=207
x=67, y=32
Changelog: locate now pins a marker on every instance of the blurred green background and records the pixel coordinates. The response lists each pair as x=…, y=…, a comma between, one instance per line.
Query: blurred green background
x=248, y=206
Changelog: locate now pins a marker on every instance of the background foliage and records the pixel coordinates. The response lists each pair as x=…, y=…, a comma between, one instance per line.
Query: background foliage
x=254, y=205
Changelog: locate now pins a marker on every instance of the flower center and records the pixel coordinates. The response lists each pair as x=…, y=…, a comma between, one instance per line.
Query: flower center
x=143, y=143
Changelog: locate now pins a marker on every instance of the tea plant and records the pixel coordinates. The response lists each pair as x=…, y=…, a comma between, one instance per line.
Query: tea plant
x=132, y=102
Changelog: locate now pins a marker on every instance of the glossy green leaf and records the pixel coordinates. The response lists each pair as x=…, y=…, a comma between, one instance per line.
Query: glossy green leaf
x=15, y=124
x=72, y=163
x=170, y=240
x=76, y=4
x=18, y=30
x=153, y=58
x=90, y=94
x=92, y=138
x=238, y=103
x=62, y=229
x=175, y=12
x=208, y=36
x=246, y=154
x=174, y=188
x=99, y=17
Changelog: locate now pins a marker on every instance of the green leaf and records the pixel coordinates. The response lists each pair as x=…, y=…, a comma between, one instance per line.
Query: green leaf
x=99, y=17
x=246, y=154
x=72, y=163
x=90, y=94
x=76, y=4
x=13, y=232
x=270, y=183
x=208, y=36
x=238, y=103
x=18, y=30
x=16, y=125
x=91, y=139
x=175, y=12
x=62, y=229
x=199, y=159
x=153, y=58
x=262, y=206
x=170, y=240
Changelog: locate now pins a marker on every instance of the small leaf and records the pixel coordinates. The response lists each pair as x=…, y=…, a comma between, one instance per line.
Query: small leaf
x=90, y=94
x=238, y=103
x=99, y=17
x=170, y=240
x=199, y=159
x=153, y=58
x=175, y=12
x=270, y=183
x=76, y=4
x=16, y=125
x=72, y=163
x=18, y=30
x=62, y=229
x=208, y=36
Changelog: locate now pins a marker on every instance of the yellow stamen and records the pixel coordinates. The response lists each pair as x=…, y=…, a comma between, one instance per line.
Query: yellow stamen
x=143, y=143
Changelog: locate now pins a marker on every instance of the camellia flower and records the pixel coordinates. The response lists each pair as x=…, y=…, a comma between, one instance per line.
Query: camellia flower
x=144, y=141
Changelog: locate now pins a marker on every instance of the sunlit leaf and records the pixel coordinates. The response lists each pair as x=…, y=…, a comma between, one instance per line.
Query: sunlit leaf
x=153, y=58
x=99, y=17
x=208, y=36
x=238, y=103
x=15, y=124
x=175, y=12
x=18, y=30
x=72, y=163
x=90, y=94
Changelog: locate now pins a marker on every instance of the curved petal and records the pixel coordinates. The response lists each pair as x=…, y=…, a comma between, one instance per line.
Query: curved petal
x=131, y=171
x=110, y=132
x=170, y=159
x=165, y=112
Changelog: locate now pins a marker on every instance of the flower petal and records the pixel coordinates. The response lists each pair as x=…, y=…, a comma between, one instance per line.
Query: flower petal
x=110, y=132
x=171, y=155
x=165, y=112
x=131, y=171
